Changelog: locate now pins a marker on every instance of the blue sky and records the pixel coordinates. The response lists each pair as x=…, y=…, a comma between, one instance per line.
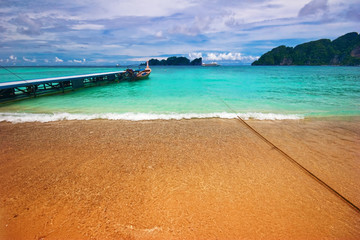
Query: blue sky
x=110, y=32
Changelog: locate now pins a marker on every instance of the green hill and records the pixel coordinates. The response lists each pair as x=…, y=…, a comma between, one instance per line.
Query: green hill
x=173, y=61
x=344, y=50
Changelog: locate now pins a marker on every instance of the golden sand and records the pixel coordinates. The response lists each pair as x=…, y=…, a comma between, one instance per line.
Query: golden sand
x=189, y=179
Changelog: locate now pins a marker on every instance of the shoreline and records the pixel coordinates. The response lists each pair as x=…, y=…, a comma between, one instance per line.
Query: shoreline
x=171, y=179
x=23, y=117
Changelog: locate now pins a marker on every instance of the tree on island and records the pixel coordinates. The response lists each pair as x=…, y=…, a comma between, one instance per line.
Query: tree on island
x=175, y=61
x=344, y=50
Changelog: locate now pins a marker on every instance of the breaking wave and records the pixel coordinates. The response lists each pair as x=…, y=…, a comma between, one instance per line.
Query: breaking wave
x=47, y=117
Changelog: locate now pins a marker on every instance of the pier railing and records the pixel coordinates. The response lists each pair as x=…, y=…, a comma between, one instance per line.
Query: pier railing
x=16, y=90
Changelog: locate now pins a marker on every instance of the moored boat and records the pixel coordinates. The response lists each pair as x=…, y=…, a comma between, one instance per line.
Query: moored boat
x=139, y=74
x=142, y=74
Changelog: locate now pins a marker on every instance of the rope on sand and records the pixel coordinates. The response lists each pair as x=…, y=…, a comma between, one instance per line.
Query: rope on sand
x=336, y=193
x=306, y=171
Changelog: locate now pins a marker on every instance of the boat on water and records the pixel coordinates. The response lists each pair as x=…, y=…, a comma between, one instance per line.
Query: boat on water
x=213, y=64
x=138, y=74
x=142, y=74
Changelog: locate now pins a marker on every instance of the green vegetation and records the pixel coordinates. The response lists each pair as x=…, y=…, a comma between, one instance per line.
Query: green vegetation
x=344, y=50
x=172, y=61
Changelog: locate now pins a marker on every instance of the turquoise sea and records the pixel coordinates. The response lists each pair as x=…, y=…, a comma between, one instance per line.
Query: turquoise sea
x=174, y=92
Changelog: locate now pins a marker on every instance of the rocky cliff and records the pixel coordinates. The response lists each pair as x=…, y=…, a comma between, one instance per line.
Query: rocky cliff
x=344, y=50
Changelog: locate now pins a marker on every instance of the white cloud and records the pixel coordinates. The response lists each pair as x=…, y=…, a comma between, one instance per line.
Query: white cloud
x=29, y=60
x=159, y=34
x=77, y=61
x=229, y=57
x=257, y=12
x=58, y=59
x=195, y=55
x=196, y=26
x=106, y=9
x=12, y=58
x=143, y=59
x=314, y=7
x=88, y=27
x=120, y=30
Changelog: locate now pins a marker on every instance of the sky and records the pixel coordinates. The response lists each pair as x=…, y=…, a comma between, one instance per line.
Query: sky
x=110, y=32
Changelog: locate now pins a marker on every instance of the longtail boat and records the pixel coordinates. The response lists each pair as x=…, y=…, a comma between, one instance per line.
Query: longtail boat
x=142, y=74
x=132, y=75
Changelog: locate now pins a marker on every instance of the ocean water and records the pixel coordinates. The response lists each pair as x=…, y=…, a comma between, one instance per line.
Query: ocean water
x=174, y=92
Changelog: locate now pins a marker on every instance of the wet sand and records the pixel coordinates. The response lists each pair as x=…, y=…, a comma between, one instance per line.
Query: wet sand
x=188, y=179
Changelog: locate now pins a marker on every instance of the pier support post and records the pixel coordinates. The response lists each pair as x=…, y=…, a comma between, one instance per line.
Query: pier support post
x=78, y=83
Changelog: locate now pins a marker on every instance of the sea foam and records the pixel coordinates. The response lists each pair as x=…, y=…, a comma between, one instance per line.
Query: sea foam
x=47, y=117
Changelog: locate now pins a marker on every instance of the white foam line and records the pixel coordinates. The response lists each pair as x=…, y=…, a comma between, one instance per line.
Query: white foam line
x=45, y=117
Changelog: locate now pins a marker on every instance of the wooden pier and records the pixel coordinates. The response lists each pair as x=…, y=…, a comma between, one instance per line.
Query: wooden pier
x=10, y=91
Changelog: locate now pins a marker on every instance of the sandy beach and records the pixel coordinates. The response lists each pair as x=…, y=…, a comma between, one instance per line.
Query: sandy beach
x=187, y=179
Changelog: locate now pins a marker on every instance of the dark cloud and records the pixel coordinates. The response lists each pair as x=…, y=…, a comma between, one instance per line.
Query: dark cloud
x=314, y=7
x=273, y=6
x=353, y=13
x=28, y=26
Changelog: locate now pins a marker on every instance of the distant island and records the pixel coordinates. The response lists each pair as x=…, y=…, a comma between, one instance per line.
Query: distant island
x=344, y=51
x=172, y=61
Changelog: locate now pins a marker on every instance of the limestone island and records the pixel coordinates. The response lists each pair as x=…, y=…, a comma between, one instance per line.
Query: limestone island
x=343, y=51
x=175, y=61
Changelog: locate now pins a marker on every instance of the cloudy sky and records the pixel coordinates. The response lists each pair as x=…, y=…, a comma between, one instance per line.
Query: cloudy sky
x=109, y=32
